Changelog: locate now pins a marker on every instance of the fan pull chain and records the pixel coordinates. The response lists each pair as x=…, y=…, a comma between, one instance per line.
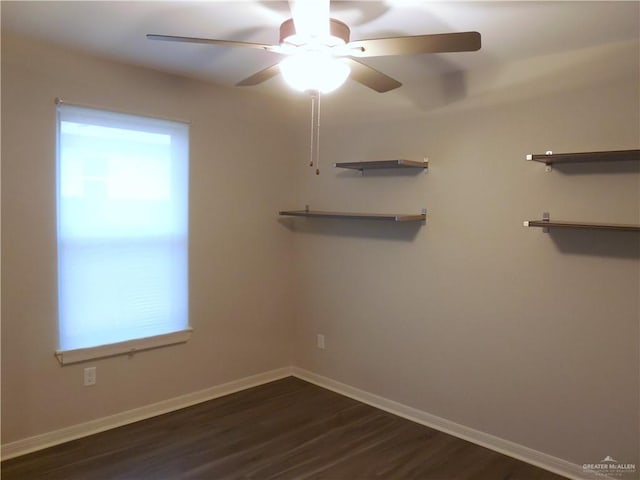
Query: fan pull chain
x=318, y=136
x=314, y=152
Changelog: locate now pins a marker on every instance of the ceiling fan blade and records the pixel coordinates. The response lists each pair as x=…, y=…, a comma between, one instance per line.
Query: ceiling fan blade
x=212, y=41
x=436, y=43
x=261, y=76
x=371, y=77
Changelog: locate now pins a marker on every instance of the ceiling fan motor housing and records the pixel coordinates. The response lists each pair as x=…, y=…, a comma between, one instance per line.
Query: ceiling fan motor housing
x=337, y=29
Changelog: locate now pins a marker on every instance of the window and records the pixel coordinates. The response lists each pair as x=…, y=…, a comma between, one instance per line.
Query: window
x=122, y=211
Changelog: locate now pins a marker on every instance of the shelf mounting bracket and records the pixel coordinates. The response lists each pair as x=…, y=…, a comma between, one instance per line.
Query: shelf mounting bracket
x=547, y=166
x=545, y=218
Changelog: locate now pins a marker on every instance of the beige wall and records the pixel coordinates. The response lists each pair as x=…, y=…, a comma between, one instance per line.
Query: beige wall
x=528, y=336
x=474, y=318
x=239, y=268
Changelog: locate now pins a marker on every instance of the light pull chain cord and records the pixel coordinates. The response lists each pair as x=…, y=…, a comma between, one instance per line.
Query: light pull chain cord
x=318, y=136
x=313, y=110
x=314, y=152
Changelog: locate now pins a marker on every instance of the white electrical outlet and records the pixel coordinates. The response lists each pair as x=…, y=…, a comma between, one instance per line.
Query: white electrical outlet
x=320, y=341
x=89, y=376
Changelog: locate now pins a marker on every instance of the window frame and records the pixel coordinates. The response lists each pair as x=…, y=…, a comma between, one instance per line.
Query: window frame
x=66, y=356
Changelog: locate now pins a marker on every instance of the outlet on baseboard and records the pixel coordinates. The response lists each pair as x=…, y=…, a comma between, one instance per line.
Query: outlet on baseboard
x=89, y=376
x=320, y=341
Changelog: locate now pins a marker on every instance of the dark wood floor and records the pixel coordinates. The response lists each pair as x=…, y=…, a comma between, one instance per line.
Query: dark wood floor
x=288, y=429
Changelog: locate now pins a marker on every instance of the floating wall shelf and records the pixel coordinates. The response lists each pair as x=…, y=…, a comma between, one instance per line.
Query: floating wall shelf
x=583, y=157
x=380, y=164
x=400, y=217
x=550, y=158
x=546, y=223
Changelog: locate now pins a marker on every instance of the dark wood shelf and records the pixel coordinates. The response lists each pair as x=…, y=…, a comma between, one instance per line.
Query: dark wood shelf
x=400, y=217
x=584, y=157
x=582, y=225
x=380, y=164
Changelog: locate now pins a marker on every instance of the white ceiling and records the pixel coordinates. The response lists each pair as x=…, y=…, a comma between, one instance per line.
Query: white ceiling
x=511, y=31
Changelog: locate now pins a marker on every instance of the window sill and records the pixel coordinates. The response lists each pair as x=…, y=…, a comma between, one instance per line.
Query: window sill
x=130, y=347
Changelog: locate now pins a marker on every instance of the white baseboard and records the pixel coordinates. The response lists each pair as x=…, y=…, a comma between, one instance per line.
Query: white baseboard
x=515, y=450
x=49, y=439
x=534, y=457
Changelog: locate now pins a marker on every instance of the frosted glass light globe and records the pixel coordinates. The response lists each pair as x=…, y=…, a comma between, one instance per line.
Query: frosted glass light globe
x=314, y=70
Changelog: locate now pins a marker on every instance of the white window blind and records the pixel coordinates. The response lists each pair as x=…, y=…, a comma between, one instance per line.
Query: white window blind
x=122, y=227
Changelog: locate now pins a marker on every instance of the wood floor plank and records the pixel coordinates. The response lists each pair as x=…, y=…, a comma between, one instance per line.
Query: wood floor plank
x=288, y=429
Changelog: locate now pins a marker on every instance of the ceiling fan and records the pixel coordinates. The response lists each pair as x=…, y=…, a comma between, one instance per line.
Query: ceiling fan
x=319, y=54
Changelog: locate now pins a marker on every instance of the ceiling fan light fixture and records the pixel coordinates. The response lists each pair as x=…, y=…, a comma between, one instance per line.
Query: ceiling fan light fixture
x=314, y=71
x=320, y=56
